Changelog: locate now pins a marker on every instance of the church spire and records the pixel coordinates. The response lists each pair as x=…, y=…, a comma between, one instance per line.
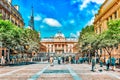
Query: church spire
x=31, y=22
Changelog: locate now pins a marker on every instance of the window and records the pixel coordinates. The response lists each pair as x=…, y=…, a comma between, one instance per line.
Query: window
x=111, y=17
x=100, y=29
x=0, y=10
x=51, y=45
x=115, y=14
x=55, y=45
x=96, y=30
x=63, y=46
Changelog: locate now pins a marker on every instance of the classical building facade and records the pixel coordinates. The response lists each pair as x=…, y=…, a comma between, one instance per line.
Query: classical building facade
x=110, y=10
x=59, y=44
x=10, y=12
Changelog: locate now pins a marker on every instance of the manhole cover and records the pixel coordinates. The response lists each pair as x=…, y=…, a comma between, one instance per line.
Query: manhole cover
x=56, y=71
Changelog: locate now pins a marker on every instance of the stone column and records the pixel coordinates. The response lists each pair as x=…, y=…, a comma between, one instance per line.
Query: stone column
x=72, y=48
x=118, y=13
x=64, y=48
x=53, y=48
x=113, y=16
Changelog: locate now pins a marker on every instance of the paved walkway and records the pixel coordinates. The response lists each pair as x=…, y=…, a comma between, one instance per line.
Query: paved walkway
x=41, y=71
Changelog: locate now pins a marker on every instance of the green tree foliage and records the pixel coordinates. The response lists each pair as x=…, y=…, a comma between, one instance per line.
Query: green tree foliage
x=87, y=38
x=114, y=29
x=107, y=40
x=13, y=36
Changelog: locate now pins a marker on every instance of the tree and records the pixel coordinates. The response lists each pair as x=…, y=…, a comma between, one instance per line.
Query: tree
x=114, y=29
x=111, y=37
x=87, y=38
x=13, y=36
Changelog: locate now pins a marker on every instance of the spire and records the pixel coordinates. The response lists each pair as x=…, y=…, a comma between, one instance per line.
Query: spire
x=31, y=22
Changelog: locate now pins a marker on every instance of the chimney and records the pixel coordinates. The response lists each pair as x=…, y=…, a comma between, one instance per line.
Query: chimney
x=16, y=6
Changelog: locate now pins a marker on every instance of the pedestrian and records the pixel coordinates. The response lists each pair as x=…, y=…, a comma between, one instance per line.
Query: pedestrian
x=63, y=59
x=72, y=60
x=107, y=63
x=76, y=60
x=93, y=64
x=51, y=60
x=79, y=60
x=59, y=60
x=48, y=59
x=101, y=65
x=69, y=59
x=113, y=60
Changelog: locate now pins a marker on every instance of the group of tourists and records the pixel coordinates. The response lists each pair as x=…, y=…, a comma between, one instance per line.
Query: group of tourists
x=108, y=61
x=68, y=59
x=79, y=60
x=65, y=60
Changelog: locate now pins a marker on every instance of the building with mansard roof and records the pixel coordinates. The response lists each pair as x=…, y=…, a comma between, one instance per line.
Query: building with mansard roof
x=10, y=12
x=59, y=44
x=110, y=10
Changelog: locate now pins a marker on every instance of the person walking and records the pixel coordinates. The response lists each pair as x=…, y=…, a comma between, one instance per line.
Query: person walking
x=63, y=59
x=69, y=59
x=59, y=60
x=51, y=60
x=101, y=64
x=113, y=60
x=93, y=64
x=107, y=63
x=76, y=60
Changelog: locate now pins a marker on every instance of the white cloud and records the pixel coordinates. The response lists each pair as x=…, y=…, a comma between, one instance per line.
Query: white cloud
x=75, y=1
x=41, y=26
x=37, y=18
x=86, y=2
x=72, y=21
x=91, y=21
x=98, y=1
x=73, y=35
x=52, y=22
x=76, y=35
x=94, y=12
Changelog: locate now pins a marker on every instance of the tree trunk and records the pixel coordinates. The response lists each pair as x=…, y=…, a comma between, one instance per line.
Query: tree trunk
x=109, y=52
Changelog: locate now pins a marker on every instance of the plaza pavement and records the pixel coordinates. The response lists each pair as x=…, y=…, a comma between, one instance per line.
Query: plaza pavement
x=43, y=71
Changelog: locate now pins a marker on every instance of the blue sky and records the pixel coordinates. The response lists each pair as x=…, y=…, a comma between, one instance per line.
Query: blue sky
x=51, y=16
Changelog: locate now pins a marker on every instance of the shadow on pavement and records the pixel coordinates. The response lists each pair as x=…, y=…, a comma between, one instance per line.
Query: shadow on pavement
x=18, y=64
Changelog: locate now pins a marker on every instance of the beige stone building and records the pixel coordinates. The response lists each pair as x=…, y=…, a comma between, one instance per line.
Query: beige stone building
x=59, y=44
x=10, y=12
x=110, y=10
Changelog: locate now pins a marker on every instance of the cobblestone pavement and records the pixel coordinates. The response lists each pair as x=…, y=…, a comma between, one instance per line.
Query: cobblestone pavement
x=57, y=72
